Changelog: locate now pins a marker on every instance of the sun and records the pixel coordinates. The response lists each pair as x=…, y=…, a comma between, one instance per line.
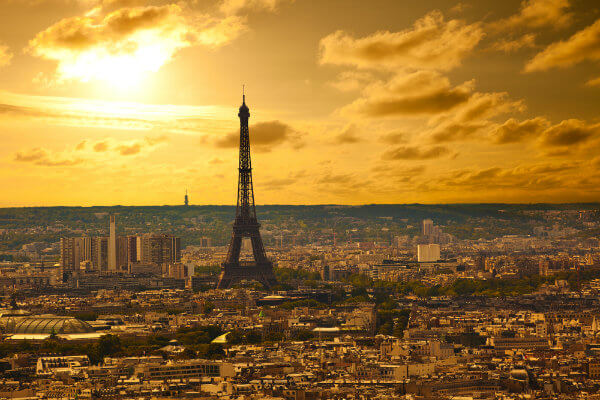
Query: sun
x=122, y=66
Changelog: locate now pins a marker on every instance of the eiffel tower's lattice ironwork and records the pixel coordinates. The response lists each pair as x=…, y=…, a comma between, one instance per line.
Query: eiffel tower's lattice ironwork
x=246, y=225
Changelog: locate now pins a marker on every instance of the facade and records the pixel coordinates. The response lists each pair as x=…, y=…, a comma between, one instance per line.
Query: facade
x=112, y=246
x=427, y=227
x=205, y=242
x=99, y=254
x=65, y=364
x=428, y=252
x=528, y=343
x=160, y=249
x=184, y=370
x=73, y=251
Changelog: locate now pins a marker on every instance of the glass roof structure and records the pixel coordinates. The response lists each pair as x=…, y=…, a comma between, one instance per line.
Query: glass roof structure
x=49, y=325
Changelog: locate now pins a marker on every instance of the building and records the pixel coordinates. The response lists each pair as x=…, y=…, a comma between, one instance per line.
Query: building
x=117, y=253
x=205, y=242
x=47, y=366
x=177, y=270
x=161, y=249
x=112, y=246
x=184, y=370
x=428, y=252
x=427, y=227
x=132, y=250
x=99, y=254
x=73, y=251
x=325, y=275
x=529, y=343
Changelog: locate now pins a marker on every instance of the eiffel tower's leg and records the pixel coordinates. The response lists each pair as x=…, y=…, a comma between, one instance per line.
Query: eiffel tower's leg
x=235, y=246
x=224, y=281
x=257, y=248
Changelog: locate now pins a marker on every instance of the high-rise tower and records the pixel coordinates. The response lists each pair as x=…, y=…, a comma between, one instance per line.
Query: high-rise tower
x=246, y=225
x=186, y=199
x=112, y=245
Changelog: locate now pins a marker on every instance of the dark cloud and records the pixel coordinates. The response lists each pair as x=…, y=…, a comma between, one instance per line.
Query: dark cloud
x=395, y=137
x=130, y=149
x=456, y=132
x=128, y=20
x=277, y=184
x=528, y=177
x=101, y=146
x=264, y=136
x=567, y=133
x=397, y=174
x=419, y=93
x=238, y=6
x=43, y=157
x=336, y=179
x=85, y=32
x=430, y=103
x=416, y=153
x=349, y=135
x=513, y=131
x=485, y=105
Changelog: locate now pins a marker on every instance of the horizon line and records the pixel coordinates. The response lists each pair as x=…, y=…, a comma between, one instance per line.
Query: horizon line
x=310, y=205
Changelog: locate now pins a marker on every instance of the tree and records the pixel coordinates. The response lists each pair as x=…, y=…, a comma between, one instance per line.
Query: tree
x=107, y=345
x=207, y=308
x=13, y=301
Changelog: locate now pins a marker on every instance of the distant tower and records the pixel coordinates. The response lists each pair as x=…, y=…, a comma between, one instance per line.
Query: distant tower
x=427, y=227
x=112, y=245
x=245, y=224
x=186, y=199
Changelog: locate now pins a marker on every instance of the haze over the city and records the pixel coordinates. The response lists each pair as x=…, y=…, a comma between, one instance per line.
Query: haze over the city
x=130, y=102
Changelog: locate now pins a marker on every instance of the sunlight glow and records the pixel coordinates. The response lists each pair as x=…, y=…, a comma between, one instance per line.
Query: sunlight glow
x=119, y=69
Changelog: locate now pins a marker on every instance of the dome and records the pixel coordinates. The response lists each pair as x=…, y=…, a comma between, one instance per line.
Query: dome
x=51, y=324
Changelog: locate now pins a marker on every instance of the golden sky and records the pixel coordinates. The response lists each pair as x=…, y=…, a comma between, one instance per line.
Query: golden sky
x=130, y=102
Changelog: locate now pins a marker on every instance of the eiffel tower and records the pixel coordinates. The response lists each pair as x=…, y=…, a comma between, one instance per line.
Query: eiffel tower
x=246, y=225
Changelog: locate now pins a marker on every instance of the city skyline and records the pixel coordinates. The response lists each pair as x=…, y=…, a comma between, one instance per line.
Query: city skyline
x=129, y=102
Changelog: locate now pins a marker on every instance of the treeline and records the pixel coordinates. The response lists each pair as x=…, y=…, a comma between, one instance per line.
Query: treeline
x=197, y=342
x=469, y=287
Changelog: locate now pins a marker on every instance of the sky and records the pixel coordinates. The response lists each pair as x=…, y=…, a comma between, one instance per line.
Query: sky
x=133, y=102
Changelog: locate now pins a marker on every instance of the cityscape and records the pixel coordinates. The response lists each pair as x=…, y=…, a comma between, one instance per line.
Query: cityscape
x=410, y=244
